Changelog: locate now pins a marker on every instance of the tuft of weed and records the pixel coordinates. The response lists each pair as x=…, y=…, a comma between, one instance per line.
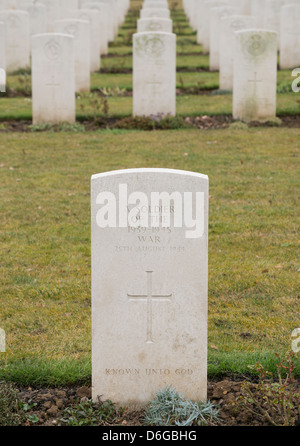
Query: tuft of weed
x=11, y=412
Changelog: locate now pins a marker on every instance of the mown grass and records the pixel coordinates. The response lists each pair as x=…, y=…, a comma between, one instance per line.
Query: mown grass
x=187, y=105
x=45, y=216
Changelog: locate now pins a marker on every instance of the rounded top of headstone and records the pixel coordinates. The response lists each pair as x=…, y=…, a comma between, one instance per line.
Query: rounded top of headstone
x=148, y=170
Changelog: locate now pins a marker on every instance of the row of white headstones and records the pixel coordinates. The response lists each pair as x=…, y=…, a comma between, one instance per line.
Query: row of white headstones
x=244, y=54
x=63, y=60
x=63, y=41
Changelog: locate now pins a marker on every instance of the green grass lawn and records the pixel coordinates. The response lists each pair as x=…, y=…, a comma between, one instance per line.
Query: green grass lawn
x=45, y=237
x=254, y=277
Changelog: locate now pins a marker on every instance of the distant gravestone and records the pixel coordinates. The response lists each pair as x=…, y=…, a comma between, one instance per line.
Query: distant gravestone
x=53, y=12
x=80, y=30
x=272, y=16
x=257, y=10
x=17, y=39
x=149, y=284
x=3, y=4
x=155, y=12
x=94, y=18
x=66, y=6
x=155, y=4
x=255, y=75
x=228, y=26
x=103, y=9
x=53, y=78
x=38, y=17
x=111, y=19
x=2, y=46
x=216, y=14
x=154, y=73
x=290, y=36
x=2, y=59
x=203, y=30
x=155, y=24
x=2, y=341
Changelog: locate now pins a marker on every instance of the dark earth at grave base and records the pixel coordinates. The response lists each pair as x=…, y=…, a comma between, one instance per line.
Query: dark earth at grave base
x=203, y=122
x=50, y=403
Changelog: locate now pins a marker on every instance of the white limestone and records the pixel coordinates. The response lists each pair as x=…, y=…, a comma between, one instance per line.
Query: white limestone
x=2, y=59
x=228, y=26
x=53, y=12
x=17, y=39
x=80, y=30
x=290, y=36
x=255, y=75
x=203, y=28
x=155, y=12
x=155, y=24
x=111, y=19
x=94, y=18
x=272, y=16
x=66, y=6
x=103, y=9
x=53, y=78
x=149, y=284
x=216, y=14
x=154, y=73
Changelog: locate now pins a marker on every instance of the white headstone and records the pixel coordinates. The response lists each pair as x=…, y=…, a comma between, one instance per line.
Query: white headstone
x=216, y=14
x=149, y=284
x=53, y=78
x=2, y=341
x=154, y=73
x=203, y=28
x=257, y=10
x=290, y=37
x=156, y=4
x=255, y=75
x=17, y=39
x=80, y=30
x=155, y=24
x=228, y=26
x=94, y=18
x=2, y=46
x=53, y=12
x=66, y=6
x=154, y=12
x=2, y=58
x=3, y=4
x=103, y=8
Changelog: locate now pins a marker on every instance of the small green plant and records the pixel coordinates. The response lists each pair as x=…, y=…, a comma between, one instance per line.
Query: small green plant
x=112, y=91
x=11, y=412
x=45, y=127
x=275, y=400
x=90, y=413
x=171, y=409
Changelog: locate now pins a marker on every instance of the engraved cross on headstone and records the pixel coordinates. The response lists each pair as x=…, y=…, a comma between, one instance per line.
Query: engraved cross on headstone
x=255, y=80
x=149, y=298
x=153, y=84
